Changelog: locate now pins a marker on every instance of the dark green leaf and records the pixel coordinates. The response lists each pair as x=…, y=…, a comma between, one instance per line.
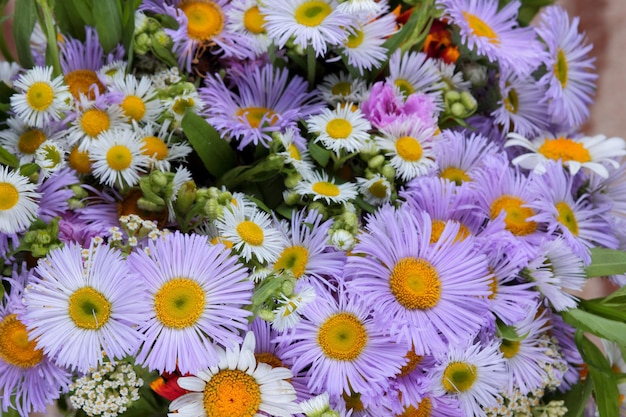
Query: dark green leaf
x=321, y=155
x=508, y=332
x=5, y=93
x=285, y=211
x=610, y=310
x=606, y=262
x=605, y=328
x=129, y=8
x=164, y=54
x=84, y=9
x=603, y=378
x=577, y=397
x=1, y=289
x=617, y=296
x=365, y=205
x=7, y=158
x=68, y=19
x=215, y=153
x=108, y=23
x=23, y=24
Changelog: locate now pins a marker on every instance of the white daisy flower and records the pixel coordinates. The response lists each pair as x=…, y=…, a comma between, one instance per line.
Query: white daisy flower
x=409, y=144
x=414, y=72
x=317, y=23
x=23, y=140
x=362, y=6
x=18, y=201
x=117, y=158
x=116, y=68
x=320, y=187
x=376, y=190
x=139, y=102
x=341, y=87
x=453, y=79
x=40, y=99
x=245, y=17
x=237, y=386
x=251, y=233
x=341, y=129
x=181, y=177
x=159, y=147
x=575, y=153
x=177, y=106
x=288, y=314
x=8, y=71
x=50, y=157
x=296, y=154
x=93, y=117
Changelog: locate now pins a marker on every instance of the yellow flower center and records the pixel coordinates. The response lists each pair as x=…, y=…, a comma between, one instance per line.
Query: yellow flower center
x=564, y=149
x=205, y=19
x=413, y=359
x=119, y=157
x=312, y=13
x=89, y=309
x=456, y=175
x=342, y=337
x=339, y=128
x=511, y=101
x=415, y=284
x=294, y=153
x=326, y=188
x=254, y=115
x=409, y=148
x=509, y=348
x=561, y=68
x=250, y=232
x=567, y=217
x=355, y=39
x=80, y=81
x=182, y=104
x=439, y=225
x=94, y=122
x=79, y=161
x=423, y=409
x=15, y=348
x=154, y=147
x=293, y=258
x=254, y=20
x=179, y=303
x=133, y=107
x=9, y=196
x=232, y=393
x=459, y=377
x=378, y=189
x=406, y=88
x=270, y=359
x=480, y=28
x=342, y=88
x=516, y=219
x=40, y=95
x=30, y=140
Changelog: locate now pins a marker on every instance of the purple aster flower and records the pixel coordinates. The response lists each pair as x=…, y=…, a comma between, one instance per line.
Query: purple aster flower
x=196, y=293
x=340, y=346
x=29, y=380
x=55, y=193
x=570, y=80
x=427, y=295
x=257, y=102
x=81, y=303
x=384, y=106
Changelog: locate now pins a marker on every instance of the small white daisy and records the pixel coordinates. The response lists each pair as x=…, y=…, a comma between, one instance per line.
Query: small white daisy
x=40, y=99
x=251, y=233
x=320, y=187
x=8, y=71
x=575, y=153
x=23, y=140
x=414, y=72
x=409, y=144
x=93, y=117
x=376, y=190
x=159, y=145
x=18, y=201
x=117, y=158
x=139, y=102
x=341, y=88
x=178, y=105
x=296, y=154
x=245, y=17
x=50, y=157
x=362, y=6
x=341, y=129
x=237, y=385
x=288, y=313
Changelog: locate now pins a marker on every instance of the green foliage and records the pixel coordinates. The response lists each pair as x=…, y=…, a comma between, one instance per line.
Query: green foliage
x=606, y=262
x=595, y=324
x=23, y=24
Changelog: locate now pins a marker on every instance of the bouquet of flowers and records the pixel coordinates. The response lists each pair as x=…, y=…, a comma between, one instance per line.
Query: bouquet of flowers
x=307, y=208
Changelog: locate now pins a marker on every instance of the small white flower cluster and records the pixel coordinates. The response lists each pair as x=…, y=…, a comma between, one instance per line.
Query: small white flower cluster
x=133, y=229
x=553, y=409
x=515, y=404
x=557, y=368
x=108, y=391
x=165, y=77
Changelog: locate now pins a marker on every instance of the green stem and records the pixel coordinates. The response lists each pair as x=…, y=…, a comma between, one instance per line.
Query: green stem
x=311, y=63
x=47, y=23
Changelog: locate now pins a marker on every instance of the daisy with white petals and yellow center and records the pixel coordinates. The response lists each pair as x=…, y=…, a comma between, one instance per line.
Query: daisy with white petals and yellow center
x=18, y=201
x=342, y=129
x=320, y=187
x=139, y=101
x=237, y=386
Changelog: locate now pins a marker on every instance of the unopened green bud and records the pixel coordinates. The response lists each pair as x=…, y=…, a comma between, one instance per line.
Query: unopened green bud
x=162, y=38
x=142, y=44
x=186, y=197
x=292, y=180
x=213, y=210
x=388, y=172
x=292, y=198
x=453, y=96
x=458, y=110
x=376, y=162
x=225, y=198
x=320, y=208
x=147, y=205
x=158, y=180
x=468, y=101
x=152, y=25
x=213, y=192
x=79, y=192
x=266, y=315
x=288, y=287
x=43, y=237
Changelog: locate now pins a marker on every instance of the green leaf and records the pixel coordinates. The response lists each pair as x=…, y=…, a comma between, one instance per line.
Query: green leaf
x=285, y=211
x=68, y=19
x=610, y=310
x=602, y=327
x=108, y=23
x=84, y=9
x=164, y=54
x=29, y=169
x=7, y=158
x=5, y=93
x=215, y=153
x=23, y=24
x=577, y=397
x=365, y=205
x=606, y=262
x=508, y=332
x=320, y=154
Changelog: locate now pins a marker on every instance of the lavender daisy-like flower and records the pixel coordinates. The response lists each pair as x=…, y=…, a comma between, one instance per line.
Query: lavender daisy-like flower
x=495, y=34
x=55, y=194
x=29, y=380
x=426, y=295
x=195, y=297
x=81, y=302
x=570, y=80
x=257, y=102
x=340, y=347
x=414, y=72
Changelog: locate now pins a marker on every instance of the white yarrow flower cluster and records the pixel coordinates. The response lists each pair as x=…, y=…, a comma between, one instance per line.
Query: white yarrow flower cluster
x=108, y=391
